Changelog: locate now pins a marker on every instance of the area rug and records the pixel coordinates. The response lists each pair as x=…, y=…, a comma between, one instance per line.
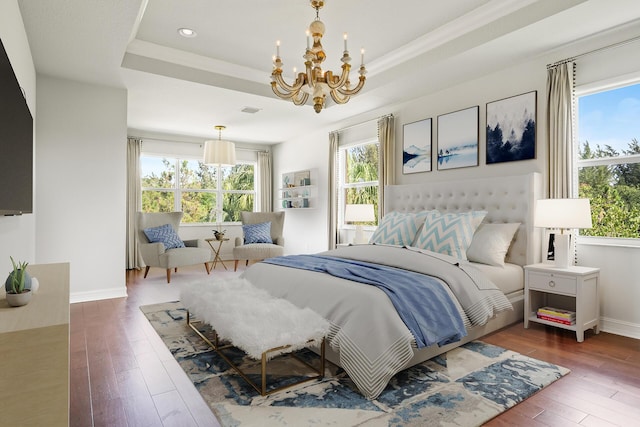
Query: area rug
x=466, y=386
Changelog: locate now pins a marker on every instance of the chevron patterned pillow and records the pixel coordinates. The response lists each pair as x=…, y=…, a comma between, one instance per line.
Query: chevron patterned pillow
x=398, y=228
x=257, y=233
x=449, y=233
x=165, y=234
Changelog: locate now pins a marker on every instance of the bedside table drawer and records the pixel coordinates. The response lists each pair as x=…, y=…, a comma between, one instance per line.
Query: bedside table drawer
x=552, y=283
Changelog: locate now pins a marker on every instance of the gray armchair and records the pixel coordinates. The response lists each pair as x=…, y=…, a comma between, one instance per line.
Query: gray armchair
x=155, y=254
x=260, y=251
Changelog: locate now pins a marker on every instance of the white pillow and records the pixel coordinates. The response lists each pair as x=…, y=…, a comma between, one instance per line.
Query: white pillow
x=491, y=243
x=397, y=228
x=449, y=233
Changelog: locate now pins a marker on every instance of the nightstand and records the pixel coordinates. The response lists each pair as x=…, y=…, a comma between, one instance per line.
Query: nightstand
x=573, y=288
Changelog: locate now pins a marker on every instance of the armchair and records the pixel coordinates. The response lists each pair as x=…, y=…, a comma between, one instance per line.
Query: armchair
x=260, y=251
x=155, y=254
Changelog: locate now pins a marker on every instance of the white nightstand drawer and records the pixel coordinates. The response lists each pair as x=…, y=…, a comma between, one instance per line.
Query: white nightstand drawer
x=552, y=283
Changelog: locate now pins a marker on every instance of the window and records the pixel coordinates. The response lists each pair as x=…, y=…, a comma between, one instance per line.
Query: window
x=358, y=177
x=190, y=186
x=609, y=160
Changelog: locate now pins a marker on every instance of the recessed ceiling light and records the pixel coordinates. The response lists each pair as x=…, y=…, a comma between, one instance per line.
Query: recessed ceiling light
x=250, y=110
x=187, y=32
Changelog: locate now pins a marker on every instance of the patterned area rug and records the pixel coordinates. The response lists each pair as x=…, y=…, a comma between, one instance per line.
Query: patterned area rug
x=465, y=387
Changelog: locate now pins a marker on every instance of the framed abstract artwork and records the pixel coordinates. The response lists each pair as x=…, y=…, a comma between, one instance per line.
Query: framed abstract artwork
x=416, y=147
x=511, y=128
x=458, y=139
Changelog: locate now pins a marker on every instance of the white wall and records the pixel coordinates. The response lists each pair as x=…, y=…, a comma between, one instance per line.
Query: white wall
x=305, y=230
x=17, y=233
x=619, y=290
x=311, y=150
x=81, y=137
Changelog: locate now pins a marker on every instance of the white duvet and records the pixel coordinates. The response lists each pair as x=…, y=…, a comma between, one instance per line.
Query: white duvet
x=372, y=341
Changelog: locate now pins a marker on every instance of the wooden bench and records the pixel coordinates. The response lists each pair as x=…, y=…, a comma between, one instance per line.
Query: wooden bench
x=252, y=320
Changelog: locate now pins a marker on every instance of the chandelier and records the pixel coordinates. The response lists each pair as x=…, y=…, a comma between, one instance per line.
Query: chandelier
x=314, y=81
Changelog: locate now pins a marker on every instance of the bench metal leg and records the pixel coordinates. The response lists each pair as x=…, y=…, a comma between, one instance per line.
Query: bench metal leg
x=215, y=345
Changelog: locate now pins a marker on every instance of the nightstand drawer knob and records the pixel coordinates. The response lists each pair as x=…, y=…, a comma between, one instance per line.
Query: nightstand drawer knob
x=552, y=284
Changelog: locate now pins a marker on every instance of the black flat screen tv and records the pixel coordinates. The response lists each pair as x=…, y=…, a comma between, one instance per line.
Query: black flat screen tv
x=16, y=143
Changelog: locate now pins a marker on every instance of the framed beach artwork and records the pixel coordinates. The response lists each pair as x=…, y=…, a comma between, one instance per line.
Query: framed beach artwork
x=416, y=147
x=458, y=139
x=511, y=128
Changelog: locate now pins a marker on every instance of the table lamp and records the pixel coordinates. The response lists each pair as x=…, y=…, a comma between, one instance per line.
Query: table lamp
x=359, y=213
x=562, y=214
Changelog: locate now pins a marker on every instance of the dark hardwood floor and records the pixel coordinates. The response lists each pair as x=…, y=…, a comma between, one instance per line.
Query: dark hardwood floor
x=123, y=375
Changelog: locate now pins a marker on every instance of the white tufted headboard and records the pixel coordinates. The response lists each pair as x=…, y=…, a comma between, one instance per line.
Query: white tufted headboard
x=505, y=198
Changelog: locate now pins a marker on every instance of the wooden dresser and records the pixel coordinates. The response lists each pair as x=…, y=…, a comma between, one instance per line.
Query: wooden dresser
x=34, y=352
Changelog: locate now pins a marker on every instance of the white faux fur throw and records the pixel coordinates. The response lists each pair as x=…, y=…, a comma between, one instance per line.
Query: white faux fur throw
x=251, y=318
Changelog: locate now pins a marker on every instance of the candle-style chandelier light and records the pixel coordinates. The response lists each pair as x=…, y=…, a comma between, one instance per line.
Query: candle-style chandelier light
x=314, y=81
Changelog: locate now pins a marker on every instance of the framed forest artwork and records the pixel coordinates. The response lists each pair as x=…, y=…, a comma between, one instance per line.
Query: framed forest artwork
x=511, y=128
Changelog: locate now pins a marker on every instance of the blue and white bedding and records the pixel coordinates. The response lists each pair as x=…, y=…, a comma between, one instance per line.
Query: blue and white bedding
x=422, y=302
x=371, y=339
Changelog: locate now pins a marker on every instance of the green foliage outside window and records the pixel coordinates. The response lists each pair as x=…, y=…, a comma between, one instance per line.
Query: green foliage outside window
x=362, y=167
x=614, y=192
x=157, y=201
x=234, y=203
x=197, y=189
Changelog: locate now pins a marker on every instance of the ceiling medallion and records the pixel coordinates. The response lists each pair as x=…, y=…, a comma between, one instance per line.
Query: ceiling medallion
x=314, y=81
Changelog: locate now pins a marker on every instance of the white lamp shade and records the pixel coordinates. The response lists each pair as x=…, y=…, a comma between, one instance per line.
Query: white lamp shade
x=219, y=152
x=359, y=213
x=563, y=213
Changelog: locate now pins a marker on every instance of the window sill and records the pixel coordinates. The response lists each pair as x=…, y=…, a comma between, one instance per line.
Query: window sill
x=609, y=241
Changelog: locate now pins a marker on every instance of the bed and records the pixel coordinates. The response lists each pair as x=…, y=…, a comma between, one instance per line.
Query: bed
x=368, y=337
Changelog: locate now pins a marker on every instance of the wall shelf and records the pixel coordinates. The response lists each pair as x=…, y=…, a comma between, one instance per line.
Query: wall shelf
x=298, y=190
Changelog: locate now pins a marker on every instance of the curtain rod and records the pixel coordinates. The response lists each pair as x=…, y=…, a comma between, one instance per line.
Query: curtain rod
x=362, y=123
x=257, y=150
x=611, y=46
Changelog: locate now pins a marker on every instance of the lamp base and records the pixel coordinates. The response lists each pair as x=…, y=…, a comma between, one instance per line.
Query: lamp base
x=359, y=238
x=561, y=253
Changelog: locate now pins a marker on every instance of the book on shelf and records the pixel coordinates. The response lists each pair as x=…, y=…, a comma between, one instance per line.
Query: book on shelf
x=558, y=312
x=556, y=319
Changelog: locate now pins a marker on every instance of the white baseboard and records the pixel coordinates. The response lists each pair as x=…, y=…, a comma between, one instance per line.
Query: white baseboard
x=120, y=292
x=620, y=327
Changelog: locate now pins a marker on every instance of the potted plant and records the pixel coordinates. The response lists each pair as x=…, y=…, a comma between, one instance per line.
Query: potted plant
x=219, y=234
x=18, y=285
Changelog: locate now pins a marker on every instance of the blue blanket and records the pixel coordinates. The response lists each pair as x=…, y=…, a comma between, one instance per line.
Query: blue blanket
x=421, y=301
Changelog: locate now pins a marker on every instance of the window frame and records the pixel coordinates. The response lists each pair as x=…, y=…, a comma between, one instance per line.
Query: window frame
x=218, y=191
x=590, y=89
x=343, y=186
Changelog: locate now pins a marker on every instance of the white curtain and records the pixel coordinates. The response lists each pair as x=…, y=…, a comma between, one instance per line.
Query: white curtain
x=265, y=176
x=560, y=125
x=134, y=202
x=560, y=121
x=332, y=219
x=386, y=169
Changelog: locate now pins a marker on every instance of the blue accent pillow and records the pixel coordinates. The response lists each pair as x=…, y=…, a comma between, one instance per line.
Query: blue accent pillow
x=257, y=233
x=164, y=234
